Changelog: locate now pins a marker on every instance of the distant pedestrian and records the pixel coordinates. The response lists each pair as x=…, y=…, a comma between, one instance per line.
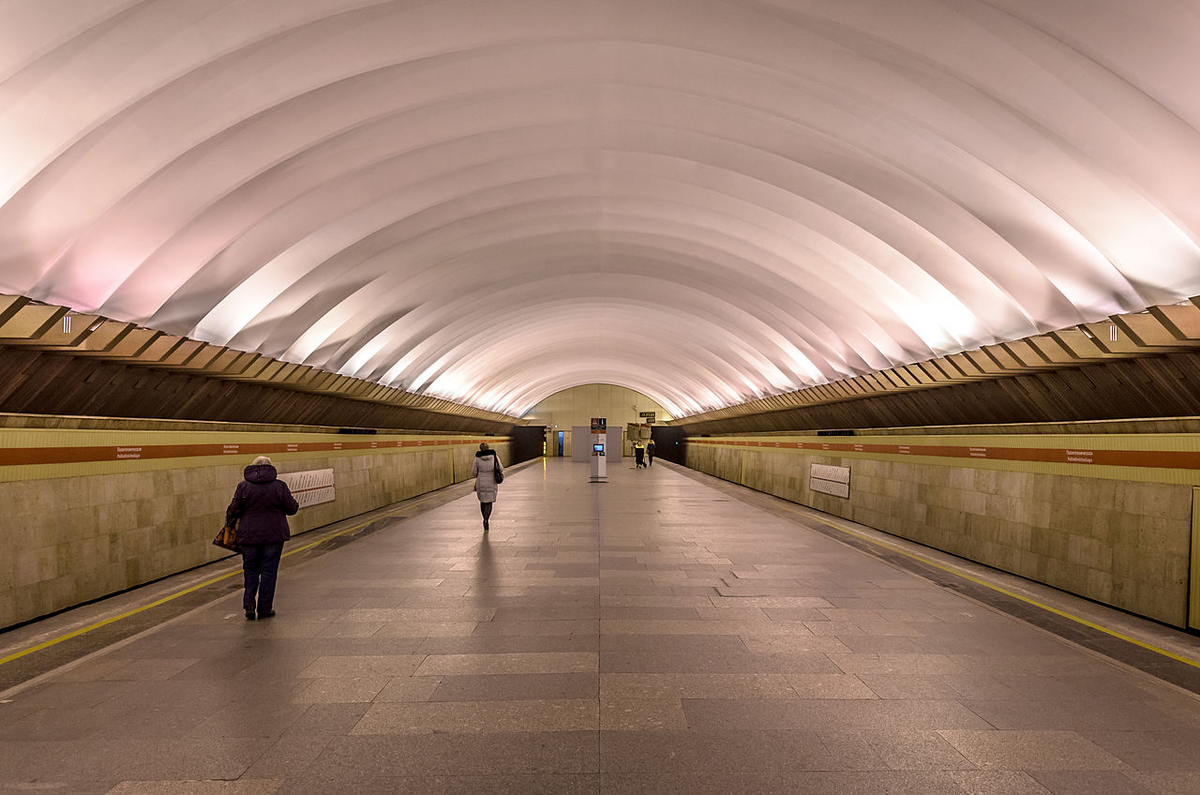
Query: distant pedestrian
x=261, y=505
x=484, y=470
x=639, y=454
x=650, y=453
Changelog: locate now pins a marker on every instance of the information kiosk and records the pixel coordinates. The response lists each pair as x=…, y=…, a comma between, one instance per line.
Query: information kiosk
x=599, y=435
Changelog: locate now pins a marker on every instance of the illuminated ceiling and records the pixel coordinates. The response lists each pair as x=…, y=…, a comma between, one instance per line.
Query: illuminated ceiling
x=708, y=202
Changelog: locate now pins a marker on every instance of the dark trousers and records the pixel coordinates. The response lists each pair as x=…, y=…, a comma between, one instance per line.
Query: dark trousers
x=639, y=456
x=260, y=565
x=649, y=458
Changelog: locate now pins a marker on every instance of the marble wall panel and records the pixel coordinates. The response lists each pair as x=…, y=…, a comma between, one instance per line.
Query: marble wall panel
x=1122, y=543
x=64, y=541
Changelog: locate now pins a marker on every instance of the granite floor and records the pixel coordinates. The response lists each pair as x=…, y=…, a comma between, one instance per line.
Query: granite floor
x=648, y=635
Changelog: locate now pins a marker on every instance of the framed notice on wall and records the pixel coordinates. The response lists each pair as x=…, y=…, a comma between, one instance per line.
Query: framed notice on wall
x=830, y=480
x=310, y=488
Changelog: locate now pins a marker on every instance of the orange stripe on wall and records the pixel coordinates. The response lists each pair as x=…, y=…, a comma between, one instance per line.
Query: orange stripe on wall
x=1163, y=459
x=19, y=456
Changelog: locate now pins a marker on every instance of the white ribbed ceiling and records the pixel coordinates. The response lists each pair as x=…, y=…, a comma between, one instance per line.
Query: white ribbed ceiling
x=707, y=202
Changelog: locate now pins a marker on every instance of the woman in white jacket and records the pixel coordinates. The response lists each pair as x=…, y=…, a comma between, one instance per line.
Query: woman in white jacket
x=484, y=470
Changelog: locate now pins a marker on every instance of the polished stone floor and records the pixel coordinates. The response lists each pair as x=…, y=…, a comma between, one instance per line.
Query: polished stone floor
x=649, y=635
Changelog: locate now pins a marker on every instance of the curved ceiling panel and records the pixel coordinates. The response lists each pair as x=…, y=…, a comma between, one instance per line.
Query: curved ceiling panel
x=706, y=201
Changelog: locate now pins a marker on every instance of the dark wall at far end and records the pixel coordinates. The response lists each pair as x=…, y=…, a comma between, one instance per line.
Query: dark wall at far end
x=526, y=442
x=668, y=442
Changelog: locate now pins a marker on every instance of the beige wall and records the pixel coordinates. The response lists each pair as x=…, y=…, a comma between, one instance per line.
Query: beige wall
x=1118, y=541
x=75, y=532
x=576, y=406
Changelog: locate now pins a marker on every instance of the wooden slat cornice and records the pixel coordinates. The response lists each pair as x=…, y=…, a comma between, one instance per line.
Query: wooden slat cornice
x=1155, y=332
x=37, y=326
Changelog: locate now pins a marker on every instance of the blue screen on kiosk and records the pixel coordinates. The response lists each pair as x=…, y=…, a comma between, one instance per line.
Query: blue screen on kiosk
x=597, y=448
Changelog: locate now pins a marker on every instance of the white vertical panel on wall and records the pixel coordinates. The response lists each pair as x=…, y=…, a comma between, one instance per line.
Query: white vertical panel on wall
x=581, y=446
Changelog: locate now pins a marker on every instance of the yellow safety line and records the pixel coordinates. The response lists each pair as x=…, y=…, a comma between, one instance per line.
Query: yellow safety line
x=839, y=528
x=205, y=584
x=1005, y=591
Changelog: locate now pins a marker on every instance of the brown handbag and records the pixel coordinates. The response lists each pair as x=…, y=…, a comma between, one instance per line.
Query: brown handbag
x=227, y=538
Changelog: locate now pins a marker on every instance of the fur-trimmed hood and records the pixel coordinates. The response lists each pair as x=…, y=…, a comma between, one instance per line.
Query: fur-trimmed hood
x=260, y=473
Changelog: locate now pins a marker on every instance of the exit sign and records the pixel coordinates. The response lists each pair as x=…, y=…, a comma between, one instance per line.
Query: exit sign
x=648, y=415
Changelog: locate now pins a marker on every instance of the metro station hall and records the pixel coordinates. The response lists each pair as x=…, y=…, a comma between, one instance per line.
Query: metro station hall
x=620, y=397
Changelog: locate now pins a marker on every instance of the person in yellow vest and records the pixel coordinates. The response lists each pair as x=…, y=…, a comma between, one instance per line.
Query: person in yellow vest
x=639, y=454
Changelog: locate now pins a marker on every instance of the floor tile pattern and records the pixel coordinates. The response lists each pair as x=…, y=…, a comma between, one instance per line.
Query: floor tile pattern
x=648, y=635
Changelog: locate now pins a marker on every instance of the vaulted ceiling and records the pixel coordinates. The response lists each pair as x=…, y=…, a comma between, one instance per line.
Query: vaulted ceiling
x=706, y=201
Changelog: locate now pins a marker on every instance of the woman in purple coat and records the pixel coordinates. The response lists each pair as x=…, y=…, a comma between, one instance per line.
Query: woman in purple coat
x=261, y=505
